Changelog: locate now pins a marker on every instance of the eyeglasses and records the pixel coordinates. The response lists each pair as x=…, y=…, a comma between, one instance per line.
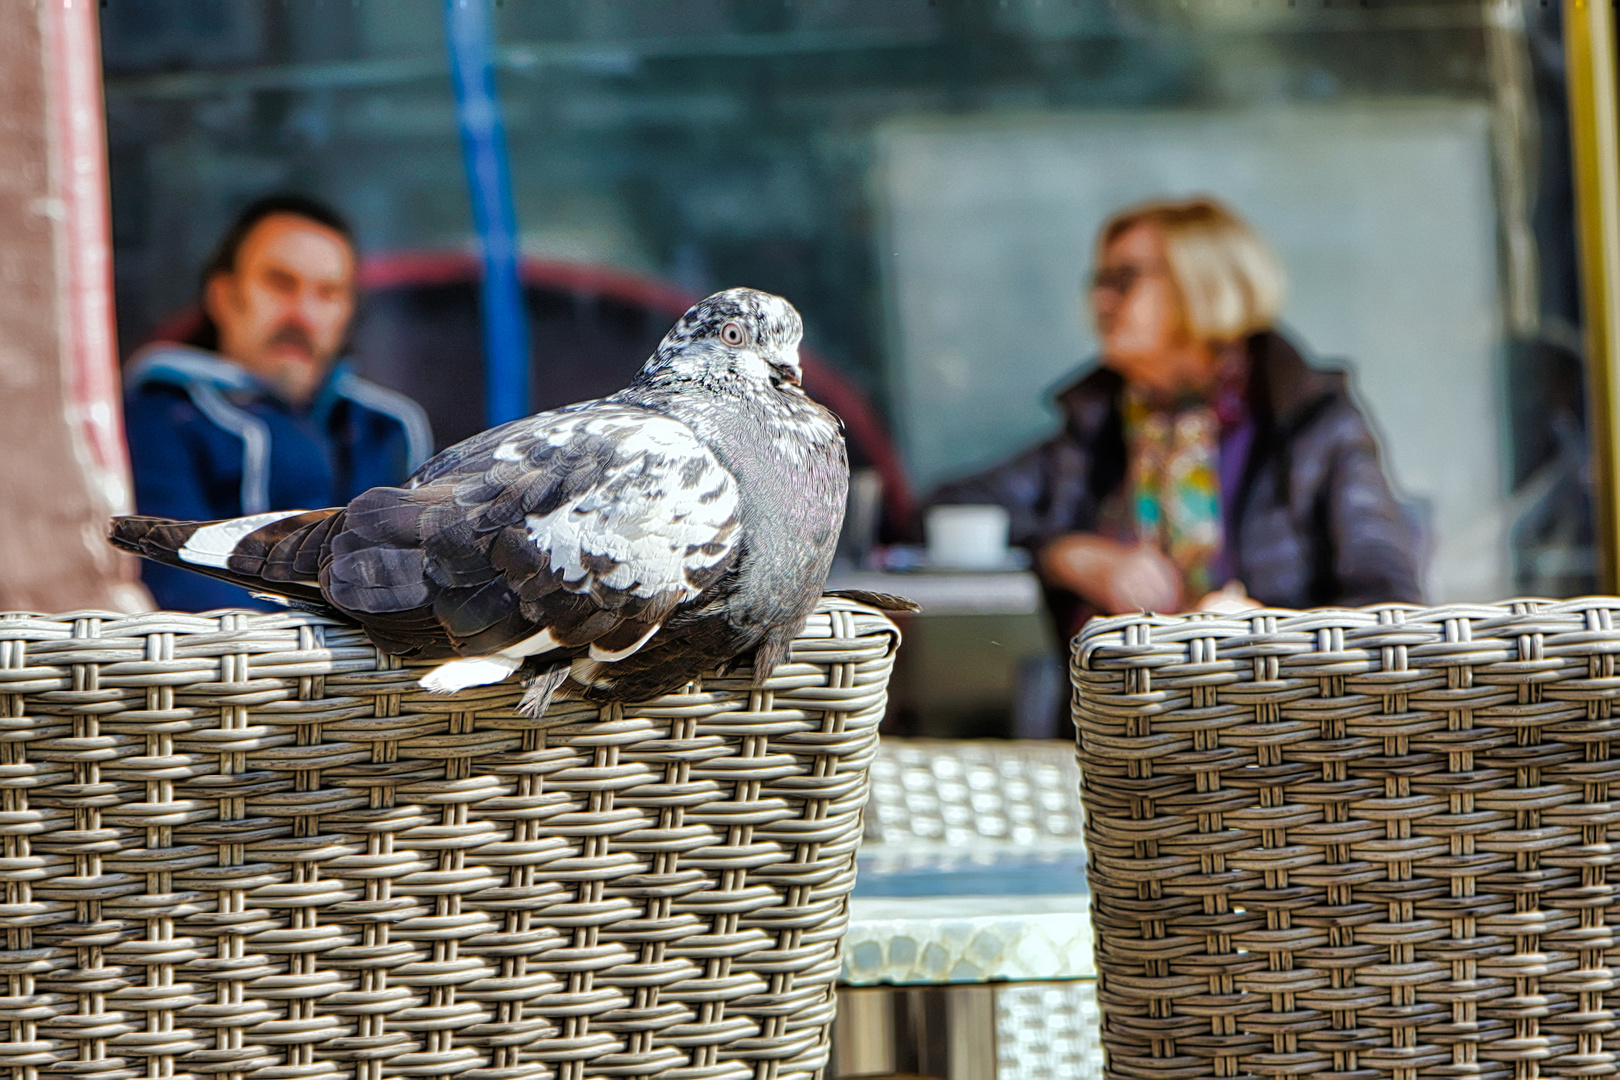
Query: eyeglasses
x=1122, y=279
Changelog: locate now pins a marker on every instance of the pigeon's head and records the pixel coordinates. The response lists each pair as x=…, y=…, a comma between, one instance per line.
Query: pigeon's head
x=741, y=337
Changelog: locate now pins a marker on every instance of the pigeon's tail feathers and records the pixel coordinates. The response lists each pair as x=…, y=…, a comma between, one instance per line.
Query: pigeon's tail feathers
x=279, y=552
x=880, y=600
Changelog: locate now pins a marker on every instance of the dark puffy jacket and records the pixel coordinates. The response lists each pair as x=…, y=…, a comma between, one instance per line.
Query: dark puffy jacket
x=208, y=441
x=1313, y=524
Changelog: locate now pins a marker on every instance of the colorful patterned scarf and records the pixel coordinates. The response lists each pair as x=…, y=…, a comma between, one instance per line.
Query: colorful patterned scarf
x=1174, y=485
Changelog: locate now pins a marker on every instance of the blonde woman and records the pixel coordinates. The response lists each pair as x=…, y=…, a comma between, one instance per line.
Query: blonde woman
x=1204, y=463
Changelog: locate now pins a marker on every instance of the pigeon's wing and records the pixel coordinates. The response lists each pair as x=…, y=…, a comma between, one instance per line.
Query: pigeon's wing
x=581, y=528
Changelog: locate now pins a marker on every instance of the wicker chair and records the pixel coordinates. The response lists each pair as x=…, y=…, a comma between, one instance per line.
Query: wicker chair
x=1355, y=844
x=247, y=846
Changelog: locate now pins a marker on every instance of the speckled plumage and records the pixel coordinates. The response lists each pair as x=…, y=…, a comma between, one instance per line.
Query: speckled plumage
x=683, y=522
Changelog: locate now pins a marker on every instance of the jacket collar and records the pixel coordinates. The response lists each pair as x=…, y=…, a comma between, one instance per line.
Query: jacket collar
x=187, y=365
x=183, y=365
x=333, y=389
x=1283, y=388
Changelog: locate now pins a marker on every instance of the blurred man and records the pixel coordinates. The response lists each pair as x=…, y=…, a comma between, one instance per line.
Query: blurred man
x=253, y=413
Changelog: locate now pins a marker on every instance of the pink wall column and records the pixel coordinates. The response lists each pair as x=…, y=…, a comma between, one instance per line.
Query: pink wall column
x=63, y=470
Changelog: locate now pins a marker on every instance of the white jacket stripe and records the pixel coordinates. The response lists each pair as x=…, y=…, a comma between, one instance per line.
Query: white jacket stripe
x=255, y=436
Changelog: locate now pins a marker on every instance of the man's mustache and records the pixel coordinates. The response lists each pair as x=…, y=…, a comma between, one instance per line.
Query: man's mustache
x=292, y=334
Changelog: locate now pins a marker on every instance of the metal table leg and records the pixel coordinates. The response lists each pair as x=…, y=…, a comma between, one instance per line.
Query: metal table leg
x=939, y=1032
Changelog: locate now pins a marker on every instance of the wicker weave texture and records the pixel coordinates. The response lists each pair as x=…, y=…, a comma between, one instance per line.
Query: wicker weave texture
x=1355, y=844
x=247, y=846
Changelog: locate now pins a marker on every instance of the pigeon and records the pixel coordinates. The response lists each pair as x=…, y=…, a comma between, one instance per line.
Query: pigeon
x=626, y=544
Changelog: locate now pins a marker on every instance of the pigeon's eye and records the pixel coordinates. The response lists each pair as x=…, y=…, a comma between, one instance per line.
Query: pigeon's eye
x=733, y=334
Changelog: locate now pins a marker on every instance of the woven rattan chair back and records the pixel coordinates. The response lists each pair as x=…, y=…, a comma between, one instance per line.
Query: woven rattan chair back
x=1355, y=844
x=246, y=846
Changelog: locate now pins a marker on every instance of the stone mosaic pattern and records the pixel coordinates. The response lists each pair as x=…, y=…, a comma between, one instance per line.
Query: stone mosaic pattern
x=958, y=792
x=933, y=940
x=970, y=810
x=1048, y=1031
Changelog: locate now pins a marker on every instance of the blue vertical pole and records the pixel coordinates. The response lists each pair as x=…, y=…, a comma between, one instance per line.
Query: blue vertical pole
x=471, y=41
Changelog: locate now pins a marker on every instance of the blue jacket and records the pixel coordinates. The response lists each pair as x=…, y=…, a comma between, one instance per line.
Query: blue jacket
x=207, y=440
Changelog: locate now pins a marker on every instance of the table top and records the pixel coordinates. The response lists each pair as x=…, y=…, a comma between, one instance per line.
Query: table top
x=951, y=592
x=969, y=915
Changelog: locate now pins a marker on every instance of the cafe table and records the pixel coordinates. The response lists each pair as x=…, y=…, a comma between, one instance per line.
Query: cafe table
x=980, y=659
x=969, y=962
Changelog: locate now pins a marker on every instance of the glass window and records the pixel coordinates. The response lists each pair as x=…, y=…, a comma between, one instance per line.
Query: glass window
x=924, y=179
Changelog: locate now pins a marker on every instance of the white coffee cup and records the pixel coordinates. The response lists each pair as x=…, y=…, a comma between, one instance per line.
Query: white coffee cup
x=967, y=537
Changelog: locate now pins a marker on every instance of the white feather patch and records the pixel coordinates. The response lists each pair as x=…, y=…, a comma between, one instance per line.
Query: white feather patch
x=212, y=545
x=542, y=642
x=665, y=509
x=606, y=657
x=456, y=675
x=750, y=365
x=584, y=671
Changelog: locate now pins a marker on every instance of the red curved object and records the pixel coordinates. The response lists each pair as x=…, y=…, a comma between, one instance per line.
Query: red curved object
x=821, y=380
x=181, y=326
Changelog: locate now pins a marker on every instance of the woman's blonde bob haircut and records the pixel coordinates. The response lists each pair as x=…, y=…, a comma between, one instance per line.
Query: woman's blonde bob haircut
x=1230, y=281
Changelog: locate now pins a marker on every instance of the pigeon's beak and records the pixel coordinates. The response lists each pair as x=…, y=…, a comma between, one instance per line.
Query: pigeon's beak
x=787, y=373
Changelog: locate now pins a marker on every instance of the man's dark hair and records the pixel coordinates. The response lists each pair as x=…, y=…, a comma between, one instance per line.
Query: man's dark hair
x=223, y=258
